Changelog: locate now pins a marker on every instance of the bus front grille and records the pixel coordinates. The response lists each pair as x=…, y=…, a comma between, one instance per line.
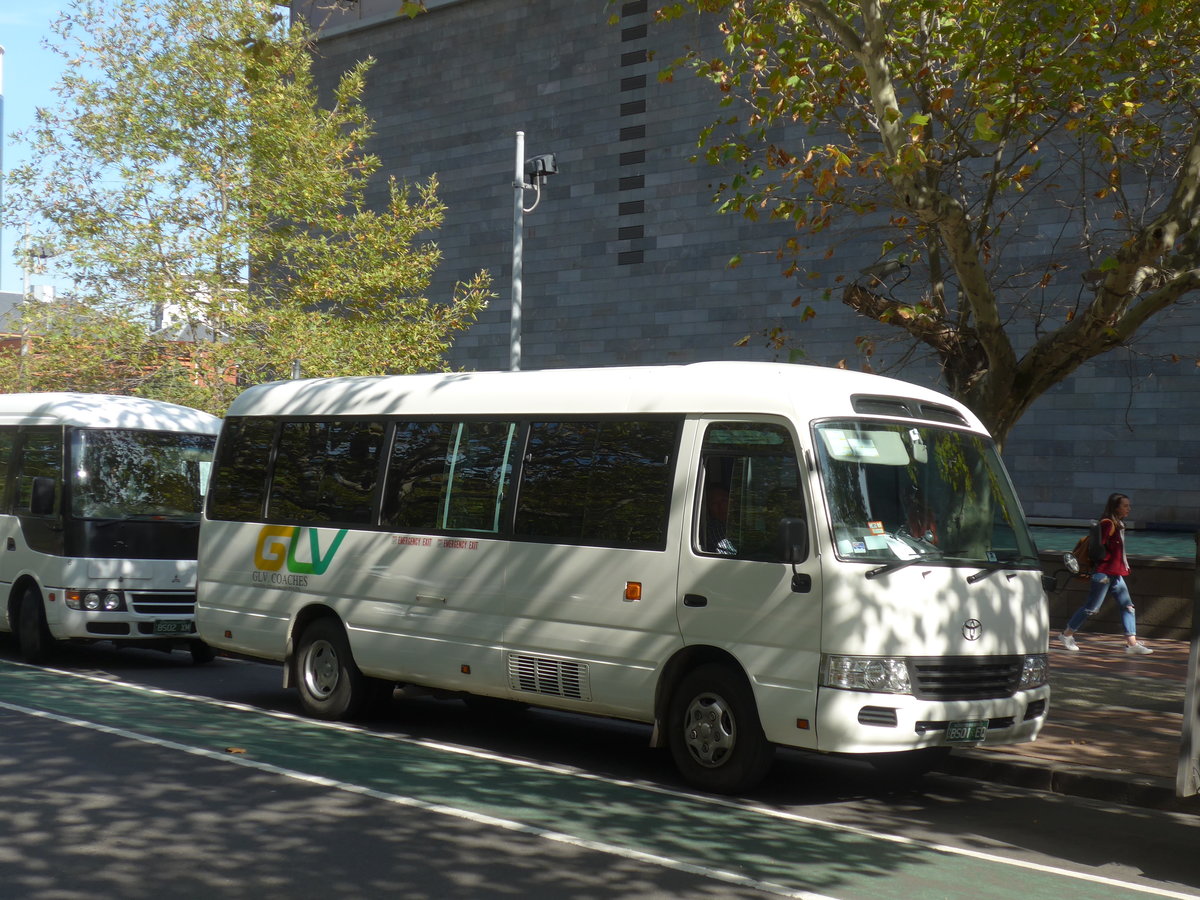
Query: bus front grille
x=984, y=678
x=544, y=675
x=170, y=603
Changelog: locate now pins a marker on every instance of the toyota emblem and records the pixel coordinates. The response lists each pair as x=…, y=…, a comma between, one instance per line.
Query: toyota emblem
x=972, y=629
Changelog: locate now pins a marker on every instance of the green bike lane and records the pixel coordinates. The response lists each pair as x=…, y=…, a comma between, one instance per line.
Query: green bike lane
x=773, y=850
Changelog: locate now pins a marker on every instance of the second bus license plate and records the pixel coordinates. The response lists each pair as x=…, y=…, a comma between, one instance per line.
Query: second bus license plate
x=173, y=626
x=967, y=732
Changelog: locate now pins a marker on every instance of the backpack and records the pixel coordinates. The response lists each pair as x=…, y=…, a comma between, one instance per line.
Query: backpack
x=1090, y=551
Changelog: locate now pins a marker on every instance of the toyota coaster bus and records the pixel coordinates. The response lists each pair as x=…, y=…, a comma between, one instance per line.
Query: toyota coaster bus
x=100, y=502
x=742, y=555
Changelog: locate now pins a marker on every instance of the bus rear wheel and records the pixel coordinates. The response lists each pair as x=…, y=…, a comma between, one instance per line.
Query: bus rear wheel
x=714, y=732
x=331, y=685
x=33, y=637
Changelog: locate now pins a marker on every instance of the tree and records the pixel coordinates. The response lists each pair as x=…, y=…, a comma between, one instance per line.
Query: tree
x=189, y=170
x=1033, y=168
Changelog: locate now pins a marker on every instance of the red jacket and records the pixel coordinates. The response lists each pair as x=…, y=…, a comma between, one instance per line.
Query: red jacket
x=1113, y=537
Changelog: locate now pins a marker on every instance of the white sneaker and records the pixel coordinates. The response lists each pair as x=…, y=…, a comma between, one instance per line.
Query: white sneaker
x=1138, y=650
x=1069, y=643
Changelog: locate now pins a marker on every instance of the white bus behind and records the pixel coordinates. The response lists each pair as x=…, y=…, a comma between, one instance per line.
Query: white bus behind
x=100, y=501
x=743, y=555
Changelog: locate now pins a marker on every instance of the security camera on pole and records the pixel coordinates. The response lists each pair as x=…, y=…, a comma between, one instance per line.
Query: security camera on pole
x=537, y=169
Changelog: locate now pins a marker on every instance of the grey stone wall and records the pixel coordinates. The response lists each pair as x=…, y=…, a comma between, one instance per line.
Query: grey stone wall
x=625, y=259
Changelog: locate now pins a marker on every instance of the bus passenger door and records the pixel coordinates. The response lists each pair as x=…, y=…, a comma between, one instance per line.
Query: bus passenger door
x=735, y=590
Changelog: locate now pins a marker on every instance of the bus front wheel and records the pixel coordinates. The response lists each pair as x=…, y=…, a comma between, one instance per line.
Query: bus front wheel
x=202, y=654
x=330, y=684
x=714, y=733
x=33, y=637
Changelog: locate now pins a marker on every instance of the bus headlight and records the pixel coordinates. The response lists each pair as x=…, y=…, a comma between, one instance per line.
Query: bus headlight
x=1035, y=671
x=95, y=601
x=881, y=675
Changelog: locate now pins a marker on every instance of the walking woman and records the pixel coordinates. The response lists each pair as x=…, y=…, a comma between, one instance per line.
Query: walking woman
x=1109, y=578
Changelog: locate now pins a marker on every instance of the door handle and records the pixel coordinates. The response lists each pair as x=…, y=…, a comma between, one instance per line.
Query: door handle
x=11, y=544
x=695, y=600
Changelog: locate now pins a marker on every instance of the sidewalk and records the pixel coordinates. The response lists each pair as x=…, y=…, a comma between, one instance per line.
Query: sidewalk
x=1113, y=732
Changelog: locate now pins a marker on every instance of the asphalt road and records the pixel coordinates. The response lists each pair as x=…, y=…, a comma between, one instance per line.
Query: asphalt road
x=135, y=774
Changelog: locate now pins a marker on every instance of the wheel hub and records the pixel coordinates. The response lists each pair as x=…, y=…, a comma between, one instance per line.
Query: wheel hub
x=321, y=669
x=710, y=731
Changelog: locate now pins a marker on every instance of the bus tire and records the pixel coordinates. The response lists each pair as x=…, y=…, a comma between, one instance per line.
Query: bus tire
x=909, y=765
x=201, y=652
x=714, y=732
x=33, y=637
x=330, y=684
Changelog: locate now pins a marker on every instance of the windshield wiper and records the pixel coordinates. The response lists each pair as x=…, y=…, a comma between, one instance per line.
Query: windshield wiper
x=988, y=570
x=989, y=567
x=893, y=566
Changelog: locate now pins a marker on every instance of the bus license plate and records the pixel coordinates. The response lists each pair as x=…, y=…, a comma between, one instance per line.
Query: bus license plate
x=968, y=732
x=173, y=626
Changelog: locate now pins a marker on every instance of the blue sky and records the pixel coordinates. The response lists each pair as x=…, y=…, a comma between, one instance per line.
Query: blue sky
x=30, y=72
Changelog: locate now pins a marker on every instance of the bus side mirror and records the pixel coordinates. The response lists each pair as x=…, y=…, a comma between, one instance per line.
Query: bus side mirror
x=41, y=497
x=793, y=535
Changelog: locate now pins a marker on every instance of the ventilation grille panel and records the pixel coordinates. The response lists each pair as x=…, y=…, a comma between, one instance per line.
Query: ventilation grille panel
x=553, y=677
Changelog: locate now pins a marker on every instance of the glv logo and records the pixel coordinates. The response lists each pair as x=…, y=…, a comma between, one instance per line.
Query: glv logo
x=277, y=545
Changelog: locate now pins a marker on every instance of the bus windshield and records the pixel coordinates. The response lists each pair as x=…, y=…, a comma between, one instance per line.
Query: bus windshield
x=127, y=473
x=900, y=492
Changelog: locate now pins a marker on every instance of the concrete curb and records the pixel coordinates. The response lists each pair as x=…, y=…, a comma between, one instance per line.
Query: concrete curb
x=1130, y=789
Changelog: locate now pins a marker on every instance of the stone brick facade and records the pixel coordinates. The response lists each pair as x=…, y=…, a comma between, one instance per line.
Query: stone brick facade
x=625, y=259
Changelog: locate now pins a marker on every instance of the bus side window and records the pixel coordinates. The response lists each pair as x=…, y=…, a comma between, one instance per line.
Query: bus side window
x=448, y=476
x=8, y=435
x=416, y=475
x=605, y=482
x=239, y=482
x=751, y=483
x=477, y=483
x=40, y=451
x=326, y=472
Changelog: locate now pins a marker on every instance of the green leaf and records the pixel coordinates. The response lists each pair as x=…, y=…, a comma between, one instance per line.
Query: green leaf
x=984, y=130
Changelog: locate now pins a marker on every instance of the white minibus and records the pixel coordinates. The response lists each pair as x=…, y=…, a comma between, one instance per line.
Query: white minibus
x=100, y=501
x=743, y=555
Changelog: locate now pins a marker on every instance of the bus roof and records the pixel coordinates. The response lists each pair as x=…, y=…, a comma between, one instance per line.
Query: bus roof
x=708, y=387
x=103, y=411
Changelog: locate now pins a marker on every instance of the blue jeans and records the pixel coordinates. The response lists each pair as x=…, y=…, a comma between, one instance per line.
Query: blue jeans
x=1102, y=585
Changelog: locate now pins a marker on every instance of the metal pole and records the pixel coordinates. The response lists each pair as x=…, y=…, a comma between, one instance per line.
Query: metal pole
x=518, y=229
x=26, y=297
